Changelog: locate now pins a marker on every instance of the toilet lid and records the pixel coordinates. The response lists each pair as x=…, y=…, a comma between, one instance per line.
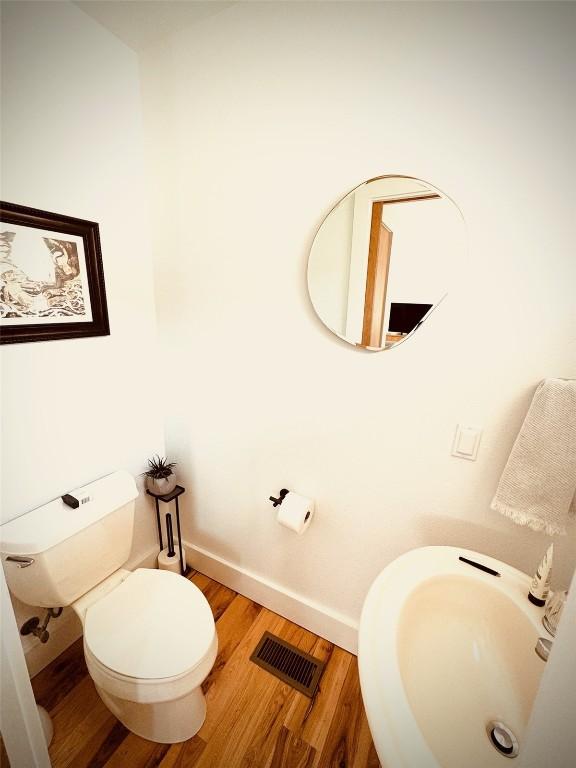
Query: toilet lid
x=154, y=624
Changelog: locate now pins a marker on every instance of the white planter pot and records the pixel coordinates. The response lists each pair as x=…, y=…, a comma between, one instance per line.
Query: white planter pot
x=161, y=486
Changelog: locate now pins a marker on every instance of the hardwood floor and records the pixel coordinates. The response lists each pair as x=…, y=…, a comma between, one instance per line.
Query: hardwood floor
x=254, y=720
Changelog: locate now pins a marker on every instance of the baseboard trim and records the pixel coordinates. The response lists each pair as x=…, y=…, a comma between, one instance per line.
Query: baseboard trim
x=333, y=626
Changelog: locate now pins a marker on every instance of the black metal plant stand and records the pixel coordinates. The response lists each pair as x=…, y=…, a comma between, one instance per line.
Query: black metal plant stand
x=167, y=498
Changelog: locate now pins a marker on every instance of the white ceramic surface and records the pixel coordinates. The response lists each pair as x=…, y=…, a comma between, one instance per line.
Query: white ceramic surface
x=445, y=648
x=72, y=549
x=149, y=636
x=149, y=643
x=154, y=625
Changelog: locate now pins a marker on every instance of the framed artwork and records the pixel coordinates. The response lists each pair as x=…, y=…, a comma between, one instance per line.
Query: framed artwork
x=51, y=277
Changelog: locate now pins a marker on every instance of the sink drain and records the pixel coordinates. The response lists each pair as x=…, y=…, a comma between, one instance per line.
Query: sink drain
x=502, y=738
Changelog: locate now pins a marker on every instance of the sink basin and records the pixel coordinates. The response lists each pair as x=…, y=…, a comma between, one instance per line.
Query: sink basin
x=445, y=651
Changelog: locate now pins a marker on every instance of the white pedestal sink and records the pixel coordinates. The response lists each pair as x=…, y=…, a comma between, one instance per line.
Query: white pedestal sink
x=446, y=649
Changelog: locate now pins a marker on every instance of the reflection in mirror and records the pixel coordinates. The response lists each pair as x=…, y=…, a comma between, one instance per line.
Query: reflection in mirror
x=382, y=260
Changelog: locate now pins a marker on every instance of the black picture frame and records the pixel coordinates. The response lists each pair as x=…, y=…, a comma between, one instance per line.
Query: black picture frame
x=88, y=231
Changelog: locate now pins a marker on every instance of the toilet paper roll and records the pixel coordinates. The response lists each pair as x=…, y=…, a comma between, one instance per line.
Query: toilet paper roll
x=296, y=512
x=166, y=563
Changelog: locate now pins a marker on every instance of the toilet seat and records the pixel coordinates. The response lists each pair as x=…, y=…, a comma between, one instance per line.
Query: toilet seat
x=152, y=638
x=150, y=691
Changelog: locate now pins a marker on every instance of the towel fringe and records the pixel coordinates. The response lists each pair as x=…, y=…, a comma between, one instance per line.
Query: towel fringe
x=525, y=518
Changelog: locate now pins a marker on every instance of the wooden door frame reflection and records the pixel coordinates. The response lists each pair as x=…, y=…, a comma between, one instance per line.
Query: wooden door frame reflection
x=378, y=268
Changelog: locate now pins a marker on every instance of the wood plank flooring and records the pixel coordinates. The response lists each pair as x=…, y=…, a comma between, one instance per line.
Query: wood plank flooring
x=254, y=720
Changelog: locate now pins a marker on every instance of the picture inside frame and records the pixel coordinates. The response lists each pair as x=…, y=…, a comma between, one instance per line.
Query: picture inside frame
x=42, y=277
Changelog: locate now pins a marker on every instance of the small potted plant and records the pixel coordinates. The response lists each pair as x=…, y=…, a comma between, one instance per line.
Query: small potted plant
x=160, y=478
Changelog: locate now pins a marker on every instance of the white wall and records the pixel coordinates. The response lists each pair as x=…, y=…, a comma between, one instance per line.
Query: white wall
x=428, y=244
x=258, y=121
x=75, y=410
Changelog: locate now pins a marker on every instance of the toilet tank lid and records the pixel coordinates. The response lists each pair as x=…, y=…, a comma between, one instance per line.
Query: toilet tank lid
x=54, y=522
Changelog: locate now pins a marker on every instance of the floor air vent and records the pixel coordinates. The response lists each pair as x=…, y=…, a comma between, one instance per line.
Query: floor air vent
x=291, y=665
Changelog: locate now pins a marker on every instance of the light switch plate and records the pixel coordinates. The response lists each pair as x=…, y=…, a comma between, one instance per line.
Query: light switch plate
x=466, y=442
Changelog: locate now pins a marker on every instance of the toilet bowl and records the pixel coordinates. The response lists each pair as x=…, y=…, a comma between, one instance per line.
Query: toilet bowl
x=149, y=643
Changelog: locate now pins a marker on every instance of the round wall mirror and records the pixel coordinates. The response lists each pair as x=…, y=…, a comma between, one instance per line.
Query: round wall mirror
x=382, y=260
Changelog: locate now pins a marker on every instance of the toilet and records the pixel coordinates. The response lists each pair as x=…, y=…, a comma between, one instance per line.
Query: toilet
x=149, y=635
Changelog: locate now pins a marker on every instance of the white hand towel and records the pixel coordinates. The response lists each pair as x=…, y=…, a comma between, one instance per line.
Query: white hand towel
x=538, y=485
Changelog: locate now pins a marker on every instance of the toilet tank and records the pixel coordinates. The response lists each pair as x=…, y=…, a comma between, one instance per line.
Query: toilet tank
x=72, y=549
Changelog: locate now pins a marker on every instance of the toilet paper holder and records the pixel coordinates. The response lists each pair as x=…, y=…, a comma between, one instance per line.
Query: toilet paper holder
x=295, y=513
x=167, y=498
x=280, y=499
